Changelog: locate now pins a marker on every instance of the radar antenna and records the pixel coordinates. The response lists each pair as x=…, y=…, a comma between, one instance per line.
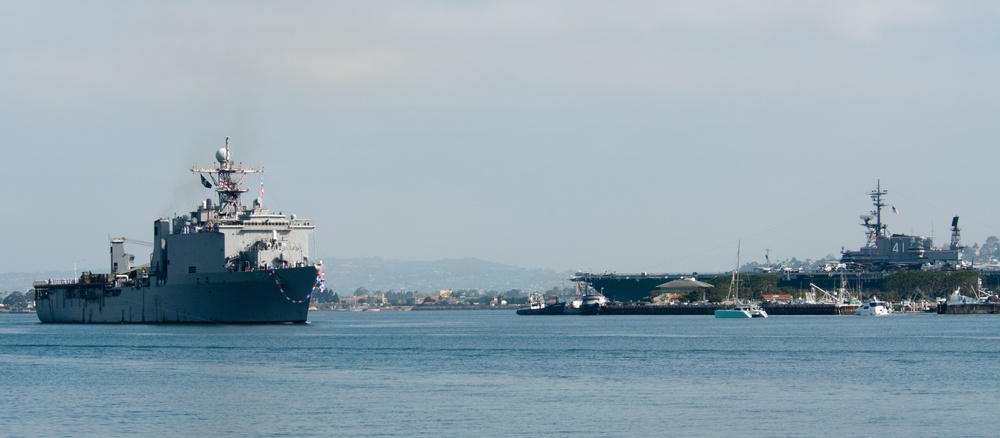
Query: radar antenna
x=956, y=235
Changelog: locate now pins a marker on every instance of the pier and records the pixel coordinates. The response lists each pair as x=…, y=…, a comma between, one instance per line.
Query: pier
x=968, y=308
x=709, y=309
x=671, y=309
x=810, y=309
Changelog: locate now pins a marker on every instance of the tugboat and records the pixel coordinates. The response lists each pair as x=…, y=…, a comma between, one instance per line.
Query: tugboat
x=222, y=263
x=541, y=308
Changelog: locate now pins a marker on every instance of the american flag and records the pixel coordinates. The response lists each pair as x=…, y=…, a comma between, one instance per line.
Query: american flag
x=893, y=207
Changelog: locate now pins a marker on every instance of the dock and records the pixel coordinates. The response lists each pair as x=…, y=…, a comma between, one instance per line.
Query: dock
x=810, y=309
x=709, y=309
x=669, y=309
x=968, y=308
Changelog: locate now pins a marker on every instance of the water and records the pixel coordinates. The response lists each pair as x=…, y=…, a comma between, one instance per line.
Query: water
x=493, y=373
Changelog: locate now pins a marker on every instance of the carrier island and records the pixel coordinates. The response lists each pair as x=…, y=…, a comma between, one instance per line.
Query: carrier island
x=225, y=262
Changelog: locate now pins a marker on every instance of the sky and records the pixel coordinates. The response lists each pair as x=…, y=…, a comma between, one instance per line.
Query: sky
x=628, y=136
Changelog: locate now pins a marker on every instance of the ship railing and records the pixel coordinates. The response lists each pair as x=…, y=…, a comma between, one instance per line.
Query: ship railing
x=56, y=282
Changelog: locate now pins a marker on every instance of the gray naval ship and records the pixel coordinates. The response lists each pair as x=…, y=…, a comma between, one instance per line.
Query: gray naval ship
x=223, y=263
x=893, y=252
x=884, y=253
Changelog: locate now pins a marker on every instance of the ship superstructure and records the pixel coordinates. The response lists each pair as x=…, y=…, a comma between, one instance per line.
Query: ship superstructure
x=891, y=252
x=224, y=262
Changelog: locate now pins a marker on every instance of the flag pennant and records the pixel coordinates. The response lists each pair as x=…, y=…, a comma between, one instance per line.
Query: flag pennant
x=262, y=187
x=205, y=182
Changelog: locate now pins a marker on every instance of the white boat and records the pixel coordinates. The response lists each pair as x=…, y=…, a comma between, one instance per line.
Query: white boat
x=589, y=304
x=742, y=311
x=739, y=309
x=873, y=307
x=757, y=312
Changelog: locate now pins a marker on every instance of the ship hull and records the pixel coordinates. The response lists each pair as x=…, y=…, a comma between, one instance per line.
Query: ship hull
x=732, y=313
x=550, y=309
x=257, y=297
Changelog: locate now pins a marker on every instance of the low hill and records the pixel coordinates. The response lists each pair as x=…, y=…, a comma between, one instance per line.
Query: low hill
x=346, y=275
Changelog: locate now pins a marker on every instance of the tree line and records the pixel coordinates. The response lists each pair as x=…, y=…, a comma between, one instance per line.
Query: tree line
x=899, y=286
x=17, y=301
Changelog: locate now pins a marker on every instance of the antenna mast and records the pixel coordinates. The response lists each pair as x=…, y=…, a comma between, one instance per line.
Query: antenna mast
x=877, y=195
x=878, y=229
x=227, y=177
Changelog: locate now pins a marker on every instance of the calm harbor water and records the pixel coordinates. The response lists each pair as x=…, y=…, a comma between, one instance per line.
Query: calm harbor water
x=493, y=373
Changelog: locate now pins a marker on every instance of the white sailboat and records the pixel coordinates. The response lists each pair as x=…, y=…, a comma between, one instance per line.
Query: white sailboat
x=739, y=310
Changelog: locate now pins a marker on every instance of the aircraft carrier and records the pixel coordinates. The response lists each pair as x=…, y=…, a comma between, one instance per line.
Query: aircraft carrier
x=884, y=253
x=225, y=262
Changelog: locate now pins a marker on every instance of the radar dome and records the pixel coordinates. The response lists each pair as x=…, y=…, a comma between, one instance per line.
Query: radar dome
x=222, y=155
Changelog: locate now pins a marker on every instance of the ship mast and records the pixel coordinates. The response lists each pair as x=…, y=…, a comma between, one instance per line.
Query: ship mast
x=227, y=177
x=878, y=229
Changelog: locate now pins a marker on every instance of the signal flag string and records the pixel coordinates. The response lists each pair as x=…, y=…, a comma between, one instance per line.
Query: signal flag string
x=317, y=286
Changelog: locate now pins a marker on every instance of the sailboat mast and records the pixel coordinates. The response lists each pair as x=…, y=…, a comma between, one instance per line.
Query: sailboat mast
x=736, y=272
x=734, y=286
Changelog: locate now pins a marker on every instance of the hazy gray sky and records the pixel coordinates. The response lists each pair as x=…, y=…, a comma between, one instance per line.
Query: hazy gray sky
x=607, y=136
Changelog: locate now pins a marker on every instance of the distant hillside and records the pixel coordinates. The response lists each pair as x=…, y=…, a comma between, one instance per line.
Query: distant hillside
x=21, y=281
x=344, y=276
